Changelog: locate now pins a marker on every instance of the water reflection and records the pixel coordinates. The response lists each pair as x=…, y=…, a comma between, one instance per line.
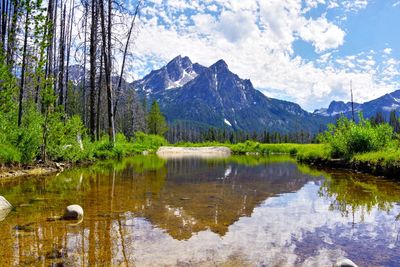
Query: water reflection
x=238, y=211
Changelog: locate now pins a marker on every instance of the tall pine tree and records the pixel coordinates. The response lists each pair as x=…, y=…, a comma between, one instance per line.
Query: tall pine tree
x=155, y=121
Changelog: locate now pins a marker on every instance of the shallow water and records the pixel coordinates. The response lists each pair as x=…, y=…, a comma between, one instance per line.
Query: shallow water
x=242, y=211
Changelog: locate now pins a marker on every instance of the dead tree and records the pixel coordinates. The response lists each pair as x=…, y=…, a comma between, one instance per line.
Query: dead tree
x=92, y=59
x=106, y=48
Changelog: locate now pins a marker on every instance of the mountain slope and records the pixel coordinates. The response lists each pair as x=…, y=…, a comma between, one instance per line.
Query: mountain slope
x=217, y=97
x=384, y=104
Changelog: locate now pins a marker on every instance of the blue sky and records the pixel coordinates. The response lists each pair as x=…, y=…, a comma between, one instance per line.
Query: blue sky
x=305, y=51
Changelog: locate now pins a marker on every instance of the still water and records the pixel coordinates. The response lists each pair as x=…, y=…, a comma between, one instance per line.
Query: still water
x=241, y=211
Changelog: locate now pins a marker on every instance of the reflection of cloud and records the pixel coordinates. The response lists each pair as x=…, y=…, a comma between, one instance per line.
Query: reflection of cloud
x=271, y=236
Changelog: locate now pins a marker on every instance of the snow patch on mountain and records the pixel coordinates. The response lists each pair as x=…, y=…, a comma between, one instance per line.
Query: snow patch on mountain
x=186, y=77
x=227, y=122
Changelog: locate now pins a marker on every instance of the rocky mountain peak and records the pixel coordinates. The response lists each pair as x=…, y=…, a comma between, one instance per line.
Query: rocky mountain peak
x=219, y=66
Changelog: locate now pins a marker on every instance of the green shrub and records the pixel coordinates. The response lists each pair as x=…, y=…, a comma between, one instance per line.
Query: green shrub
x=9, y=154
x=348, y=137
x=150, y=141
x=29, y=137
x=62, y=139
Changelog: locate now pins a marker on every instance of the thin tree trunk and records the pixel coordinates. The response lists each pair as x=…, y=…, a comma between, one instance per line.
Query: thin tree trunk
x=61, y=81
x=124, y=59
x=22, y=82
x=71, y=19
x=12, y=35
x=50, y=24
x=55, y=49
x=107, y=62
x=84, y=69
x=100, y=86
x=92, y=58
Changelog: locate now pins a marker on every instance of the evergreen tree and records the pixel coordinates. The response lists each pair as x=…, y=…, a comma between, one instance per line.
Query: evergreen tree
x=394, y=121
x=155, y=121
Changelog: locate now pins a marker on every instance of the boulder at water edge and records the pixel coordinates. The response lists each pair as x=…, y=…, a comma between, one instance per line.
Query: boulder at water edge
x=345, y=263
x=5, y=208
x=73, y=212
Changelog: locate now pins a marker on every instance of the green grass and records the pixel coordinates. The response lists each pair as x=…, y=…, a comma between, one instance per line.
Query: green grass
x=388, y=158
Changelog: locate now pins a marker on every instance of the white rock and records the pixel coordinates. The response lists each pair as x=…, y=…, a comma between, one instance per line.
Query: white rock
x=4, y=204
x=73, y=212
x=345, y=263
x=5, y=208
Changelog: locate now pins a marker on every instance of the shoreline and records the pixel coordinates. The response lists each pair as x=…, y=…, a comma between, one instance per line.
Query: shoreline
x=377, y=168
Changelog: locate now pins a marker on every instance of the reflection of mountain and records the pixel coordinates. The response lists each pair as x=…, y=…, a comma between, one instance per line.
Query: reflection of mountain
x=199, y=195
x=145, y=211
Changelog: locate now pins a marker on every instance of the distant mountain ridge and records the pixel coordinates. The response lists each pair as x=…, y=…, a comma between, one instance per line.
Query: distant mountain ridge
x=215, y=97
x=384, y=104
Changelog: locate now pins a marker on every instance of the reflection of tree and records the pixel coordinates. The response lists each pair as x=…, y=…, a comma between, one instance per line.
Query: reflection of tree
x=181, y=197
x=357, y=192
x=105, y=190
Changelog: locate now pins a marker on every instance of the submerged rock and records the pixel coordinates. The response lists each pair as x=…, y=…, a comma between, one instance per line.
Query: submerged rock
x=345, y=263
x=73, y=212
x=4, y=204
x=5, y=208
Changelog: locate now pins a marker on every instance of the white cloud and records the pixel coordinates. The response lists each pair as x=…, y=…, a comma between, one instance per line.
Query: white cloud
x=256, y=39
x=322, y=34
x=387, y=51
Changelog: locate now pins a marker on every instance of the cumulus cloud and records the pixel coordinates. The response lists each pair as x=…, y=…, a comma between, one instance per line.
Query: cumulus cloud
x=256, y=38
x=322, y=34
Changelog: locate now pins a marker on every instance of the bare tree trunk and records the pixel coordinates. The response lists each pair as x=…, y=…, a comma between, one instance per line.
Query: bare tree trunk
x=12, y=34
x=92, y=58
x=100, y=86
x=61, y=81
x=84, y=68
x=3, y=23
x=55, y=48
x=70, y=21
x=107, y=62
x=22, y=82
x=50, y=24
x=124, y=58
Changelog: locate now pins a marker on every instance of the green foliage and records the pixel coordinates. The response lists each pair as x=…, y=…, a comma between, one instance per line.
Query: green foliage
x=63, y=139
x=149, y=141
x=8, y=88
x=348, y=137
x=9, y=154
x=29, y=137
x=155, y=121
x=103, y=149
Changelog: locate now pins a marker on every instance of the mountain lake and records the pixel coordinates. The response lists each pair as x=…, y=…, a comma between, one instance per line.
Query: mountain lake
x=239, y=211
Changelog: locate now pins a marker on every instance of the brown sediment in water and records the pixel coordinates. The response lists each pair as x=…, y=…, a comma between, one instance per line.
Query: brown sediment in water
x=13, y=172
x=41, y=169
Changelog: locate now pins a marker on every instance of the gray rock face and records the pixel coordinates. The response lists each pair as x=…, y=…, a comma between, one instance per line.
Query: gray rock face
x=216, y=97
x=73, y=212
x=345, y=263
x=5, y=208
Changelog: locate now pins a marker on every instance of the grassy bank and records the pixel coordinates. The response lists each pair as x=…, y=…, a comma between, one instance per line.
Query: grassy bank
x=74, y=152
